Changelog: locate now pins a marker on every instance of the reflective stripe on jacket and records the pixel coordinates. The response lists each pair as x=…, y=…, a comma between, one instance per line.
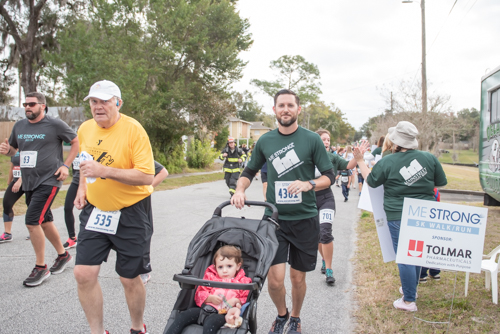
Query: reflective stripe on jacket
x=231, y=165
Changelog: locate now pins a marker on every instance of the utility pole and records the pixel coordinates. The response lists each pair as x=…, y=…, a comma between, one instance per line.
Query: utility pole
x=424, y=66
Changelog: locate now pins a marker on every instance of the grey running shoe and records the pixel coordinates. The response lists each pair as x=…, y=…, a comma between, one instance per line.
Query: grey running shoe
x=294, y=326
x=278, y=326
x=330, y=280
x=37, y=276
x=5, y=237
x=60, y=264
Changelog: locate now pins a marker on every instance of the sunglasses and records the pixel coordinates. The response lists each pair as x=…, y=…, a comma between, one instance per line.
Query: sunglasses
x=30, y=104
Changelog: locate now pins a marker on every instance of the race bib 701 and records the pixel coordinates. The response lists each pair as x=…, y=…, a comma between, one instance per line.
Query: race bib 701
x=326, y=216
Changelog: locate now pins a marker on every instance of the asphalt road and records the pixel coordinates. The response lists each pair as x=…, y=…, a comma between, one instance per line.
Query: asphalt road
x=53, y=307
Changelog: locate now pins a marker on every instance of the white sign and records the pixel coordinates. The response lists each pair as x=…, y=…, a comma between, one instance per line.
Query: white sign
x=372, y=199
x=442, y=235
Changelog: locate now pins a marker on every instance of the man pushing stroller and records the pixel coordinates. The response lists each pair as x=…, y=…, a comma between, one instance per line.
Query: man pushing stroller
x=291, y=152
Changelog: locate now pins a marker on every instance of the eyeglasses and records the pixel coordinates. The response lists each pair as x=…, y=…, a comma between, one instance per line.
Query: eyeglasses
x=30, y=104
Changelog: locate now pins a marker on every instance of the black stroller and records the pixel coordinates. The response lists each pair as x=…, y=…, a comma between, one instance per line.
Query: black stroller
x=258, y=244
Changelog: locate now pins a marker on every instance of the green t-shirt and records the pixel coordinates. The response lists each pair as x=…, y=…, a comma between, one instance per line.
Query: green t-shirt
x=338, y=162
x=412, y=174
x=386, y=153
x=376, y=151
x=289, y=158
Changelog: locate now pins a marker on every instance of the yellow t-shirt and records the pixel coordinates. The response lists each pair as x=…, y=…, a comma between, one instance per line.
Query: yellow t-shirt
x=125, y=145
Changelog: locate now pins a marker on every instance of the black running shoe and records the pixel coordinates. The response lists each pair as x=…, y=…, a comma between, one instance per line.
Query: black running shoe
x=323, y=267
x=60, y=264
x=278, y=326
x=37, y=276
x=294, y=326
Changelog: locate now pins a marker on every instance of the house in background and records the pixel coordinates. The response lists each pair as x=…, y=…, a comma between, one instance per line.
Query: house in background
x=257, y=130
x=239, y=129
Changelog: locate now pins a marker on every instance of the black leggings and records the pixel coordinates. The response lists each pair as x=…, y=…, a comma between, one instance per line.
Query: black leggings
x=9, y=199
x=69, y=218
x=211, y=325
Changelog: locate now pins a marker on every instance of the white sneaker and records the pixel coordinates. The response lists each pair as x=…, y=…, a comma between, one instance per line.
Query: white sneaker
x=401, y=305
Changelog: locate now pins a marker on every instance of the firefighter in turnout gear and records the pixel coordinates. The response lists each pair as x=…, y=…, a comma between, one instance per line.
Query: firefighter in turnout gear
x=234, y=156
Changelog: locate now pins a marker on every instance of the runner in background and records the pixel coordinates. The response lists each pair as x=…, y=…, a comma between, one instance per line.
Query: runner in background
x=325, y=201
x=39, y=139
x=233, y=157
x=69, y=218
x=345, y=181
x=161, y=174
x=13, y=193
x=245, y=150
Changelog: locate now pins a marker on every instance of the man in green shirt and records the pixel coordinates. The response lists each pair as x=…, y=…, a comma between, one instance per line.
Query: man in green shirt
x=291, y=153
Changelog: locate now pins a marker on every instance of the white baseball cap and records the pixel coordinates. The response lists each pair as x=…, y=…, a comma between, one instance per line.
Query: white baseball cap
x=104, y=90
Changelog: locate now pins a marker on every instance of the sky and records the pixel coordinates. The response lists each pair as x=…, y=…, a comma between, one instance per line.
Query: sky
x=363, y=47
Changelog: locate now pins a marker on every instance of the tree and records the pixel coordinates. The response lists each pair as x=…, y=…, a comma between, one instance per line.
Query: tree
x=331, y=118
x=294, y=73
x=7, y=81
x=406, y=99
x=174, y=61
x=32, y=26
x=246, y=107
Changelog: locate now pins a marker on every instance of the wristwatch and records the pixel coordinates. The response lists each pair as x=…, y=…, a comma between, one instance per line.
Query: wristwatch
x=312, y=184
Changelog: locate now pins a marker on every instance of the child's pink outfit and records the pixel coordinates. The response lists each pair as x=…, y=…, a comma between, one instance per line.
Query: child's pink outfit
x=211, y=275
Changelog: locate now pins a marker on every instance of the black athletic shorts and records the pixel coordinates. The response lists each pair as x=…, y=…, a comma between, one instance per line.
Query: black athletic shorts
x=39, y=201
x=131, y=242
x=361, y=179
x=298, y=243
x=325, y=201
x=263, y=177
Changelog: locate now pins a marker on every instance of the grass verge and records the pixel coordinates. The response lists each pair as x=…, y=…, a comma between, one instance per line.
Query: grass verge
x=462, y=178
x=463, y=157
x=377, y=285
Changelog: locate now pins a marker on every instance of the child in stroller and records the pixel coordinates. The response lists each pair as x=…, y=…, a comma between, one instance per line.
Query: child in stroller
x=225, y=268
x=256, y=238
